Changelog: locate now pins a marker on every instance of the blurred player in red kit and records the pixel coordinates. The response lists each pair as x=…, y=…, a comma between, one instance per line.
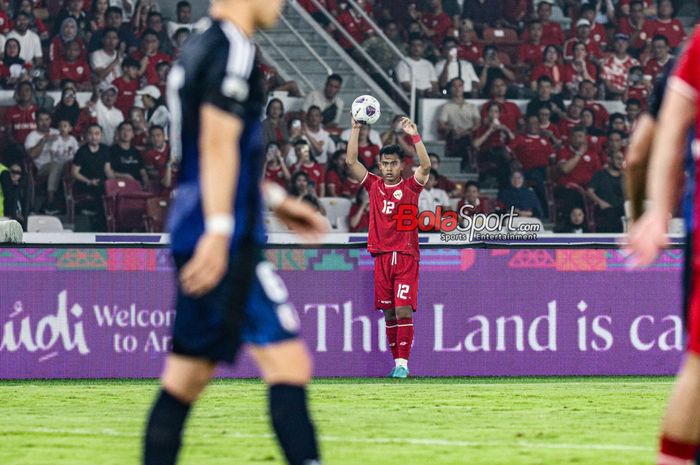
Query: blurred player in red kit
x=681, y=425
x=395, y=252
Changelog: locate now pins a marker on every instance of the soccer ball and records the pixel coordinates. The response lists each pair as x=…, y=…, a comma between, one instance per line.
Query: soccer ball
x=365, y=109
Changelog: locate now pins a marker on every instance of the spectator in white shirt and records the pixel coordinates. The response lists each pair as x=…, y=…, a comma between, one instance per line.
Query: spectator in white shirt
x=157, y=113
x=431, y=197
x=38, y=147
x=450, y=67
x=64, y=147
x=30, y=44
x=423, y=71
x=328, y=101
x=108, y=116
x=322, y=146
x=106, y=62
x=184, y=18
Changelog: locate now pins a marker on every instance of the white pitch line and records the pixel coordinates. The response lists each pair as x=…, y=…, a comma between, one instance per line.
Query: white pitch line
x=355, y=440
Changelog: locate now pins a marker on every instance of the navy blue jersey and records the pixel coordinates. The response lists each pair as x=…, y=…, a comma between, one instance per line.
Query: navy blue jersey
x=217, y=67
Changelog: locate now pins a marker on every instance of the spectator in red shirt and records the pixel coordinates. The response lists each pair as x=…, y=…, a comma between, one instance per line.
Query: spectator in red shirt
x=491, y=140
x=308, y=165
x=659, y=57
x=434, y=23
x=468, y=47
x=5, y=23
x=649, y=7
x=533, y=152
x=547, y=128
x=68, y=33
x=509, y=113
x=367, y=151
x=531, y=52
x=355, y=25
x=70, y=66
x=614, y=69
x=552, y=33
x=595, y=136
x=127, y=84
x=275, y=169
x=597, y=34
x=583, y=35
x=572, y=118
x=579, y=69
x=669, y=27
x=550, y=67
x=336, y=176
x=149, y=56
x=156, y=158
x=483, y=13
x=639, y=87
x=359, y=212
x=639, y=29
x=20, y=119
x=577, y=164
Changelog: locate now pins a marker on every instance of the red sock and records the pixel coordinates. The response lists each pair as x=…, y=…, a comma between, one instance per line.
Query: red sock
x=404, y=337
x=391, y=330
x=672, y=452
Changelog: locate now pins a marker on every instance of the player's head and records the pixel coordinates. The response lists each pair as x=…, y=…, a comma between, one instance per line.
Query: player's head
x=391, y=163
x=264, y=13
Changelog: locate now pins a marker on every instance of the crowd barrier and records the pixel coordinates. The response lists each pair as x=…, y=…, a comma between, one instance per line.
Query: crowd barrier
x=91, y=311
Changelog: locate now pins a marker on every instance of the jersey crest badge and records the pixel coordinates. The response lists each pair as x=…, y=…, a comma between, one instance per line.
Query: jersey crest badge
x=398, y=195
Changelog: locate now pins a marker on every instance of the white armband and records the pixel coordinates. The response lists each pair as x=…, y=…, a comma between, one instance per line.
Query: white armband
x=222, y=224
x=274, y=195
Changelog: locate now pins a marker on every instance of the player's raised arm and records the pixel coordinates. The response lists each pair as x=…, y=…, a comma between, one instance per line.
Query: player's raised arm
x=356, y=169
x=220, y=133
x=410, y=128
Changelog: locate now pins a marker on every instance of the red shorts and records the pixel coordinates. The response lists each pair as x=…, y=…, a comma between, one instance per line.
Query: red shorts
x=395, y=281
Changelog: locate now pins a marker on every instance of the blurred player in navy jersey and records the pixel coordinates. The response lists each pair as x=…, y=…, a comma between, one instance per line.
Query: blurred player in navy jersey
x=396, y=254
x=227, y=293
x=679, y=110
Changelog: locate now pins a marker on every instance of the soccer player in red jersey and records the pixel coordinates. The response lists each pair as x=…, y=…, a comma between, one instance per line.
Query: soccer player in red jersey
x=395, y=252
x=681, y=424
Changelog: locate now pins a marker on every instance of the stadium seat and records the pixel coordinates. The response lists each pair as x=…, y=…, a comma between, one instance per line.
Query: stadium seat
x=72, y=199
x=125, y=205
x=336, y=208
x=44, y=223
x=156, y=212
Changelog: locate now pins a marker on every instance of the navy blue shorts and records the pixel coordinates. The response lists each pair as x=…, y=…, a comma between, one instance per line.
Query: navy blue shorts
x=249, y=305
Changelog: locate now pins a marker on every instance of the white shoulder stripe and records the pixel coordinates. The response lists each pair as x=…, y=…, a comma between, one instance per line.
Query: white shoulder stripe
x=240, y=53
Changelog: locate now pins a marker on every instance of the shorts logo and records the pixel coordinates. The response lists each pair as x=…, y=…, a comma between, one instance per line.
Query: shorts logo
x=398, y=195
x=385, y=301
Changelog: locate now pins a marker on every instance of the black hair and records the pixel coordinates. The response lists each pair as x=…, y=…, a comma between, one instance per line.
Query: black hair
x=293, y=182
x=269, y=104
x=544, y=78
x=335, y=77
x=633, y=101
x=182, y=3
x=393, y=149
x=156, y=126
x=114, y=9
x=124, y=123
x=469, y=184
x=42, y=111
x=433, y=154
x=660, y=37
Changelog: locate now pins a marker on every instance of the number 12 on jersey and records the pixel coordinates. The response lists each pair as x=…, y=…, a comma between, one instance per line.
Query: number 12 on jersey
x=388, y=207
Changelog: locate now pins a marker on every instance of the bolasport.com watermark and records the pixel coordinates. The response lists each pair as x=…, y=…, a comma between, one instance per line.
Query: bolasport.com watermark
x=466, y=225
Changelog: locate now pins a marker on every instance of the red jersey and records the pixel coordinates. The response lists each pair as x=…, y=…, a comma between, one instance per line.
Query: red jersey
x=20, y=121
x=532, y=151
x=276, y=175
x=653, y=67
x=315, y=174
x=591, y=47
x=615, y=70
x=686, y=80
x=531, y=54
x=363, y=224
x=566, y=125
x=583, y=171
x=555, y=73
x=384, y=204
x=640, y=93
x=640, y=36
x=350, y=187
x=440, y=23
x=78, y=71
x=498, y=138
x=552, y=34
x=126, y=95
x=510, y=114
x=368, y=155
x=334, y=179
x=151, y=74
x=355, y=26
x=672, y=29
x=5, y=23
x=157, y=160
x=600, y=113
x=571, y=75
x=472, y=53
x=58, y=47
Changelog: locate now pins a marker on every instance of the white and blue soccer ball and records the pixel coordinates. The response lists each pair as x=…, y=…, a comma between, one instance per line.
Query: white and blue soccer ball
x=365, y=109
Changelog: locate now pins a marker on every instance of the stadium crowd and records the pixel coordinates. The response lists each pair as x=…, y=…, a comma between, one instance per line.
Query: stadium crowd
x=555, y=161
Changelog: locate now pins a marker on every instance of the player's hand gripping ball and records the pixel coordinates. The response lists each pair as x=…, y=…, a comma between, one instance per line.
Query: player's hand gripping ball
x=365, y=109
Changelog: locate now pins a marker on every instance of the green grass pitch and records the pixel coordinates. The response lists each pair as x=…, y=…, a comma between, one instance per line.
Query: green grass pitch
x=427, y=421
